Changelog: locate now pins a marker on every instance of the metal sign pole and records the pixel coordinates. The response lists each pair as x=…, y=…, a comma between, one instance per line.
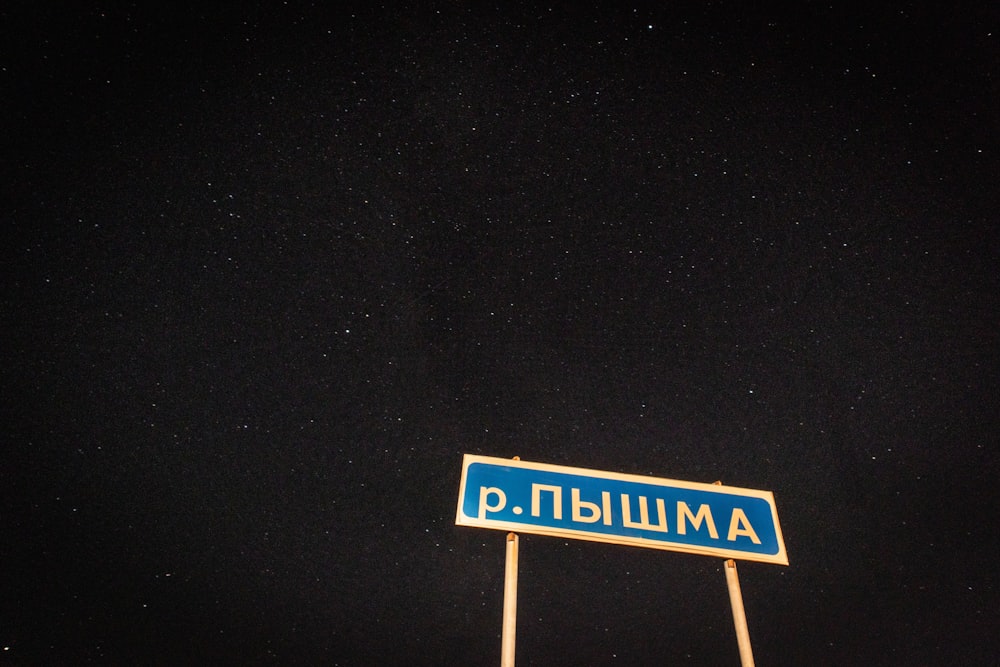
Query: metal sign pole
x=509, y=627
x=509, y=603
x=739, y=615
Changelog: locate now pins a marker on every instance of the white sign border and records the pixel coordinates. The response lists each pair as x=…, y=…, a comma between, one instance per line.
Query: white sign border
x=462, y=519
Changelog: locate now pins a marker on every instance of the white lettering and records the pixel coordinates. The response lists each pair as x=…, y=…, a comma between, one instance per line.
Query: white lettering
x=740, y=525
x=536, y=499
x=684, y=514
x=484, y=505
x=594, y=511
x=643, y=522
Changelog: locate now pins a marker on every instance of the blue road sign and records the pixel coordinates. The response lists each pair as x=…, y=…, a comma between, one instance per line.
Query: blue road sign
x=560, y=501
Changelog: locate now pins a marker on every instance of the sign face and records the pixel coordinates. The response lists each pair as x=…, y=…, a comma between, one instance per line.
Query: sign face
x=559, y=501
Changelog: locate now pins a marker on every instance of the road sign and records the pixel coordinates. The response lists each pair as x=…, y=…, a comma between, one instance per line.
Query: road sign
x=560, y=501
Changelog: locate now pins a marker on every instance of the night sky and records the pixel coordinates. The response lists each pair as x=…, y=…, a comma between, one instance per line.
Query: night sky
x=272, y=270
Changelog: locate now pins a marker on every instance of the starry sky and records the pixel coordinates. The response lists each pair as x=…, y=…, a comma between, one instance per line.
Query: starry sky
x=272, y=270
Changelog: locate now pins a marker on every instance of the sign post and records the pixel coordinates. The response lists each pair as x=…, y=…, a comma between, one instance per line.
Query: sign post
x=509, y=627
x=559, y=501
x=509, y=603
x=739, y=615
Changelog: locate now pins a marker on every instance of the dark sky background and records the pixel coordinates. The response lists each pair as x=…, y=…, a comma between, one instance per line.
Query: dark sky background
x=273, y=270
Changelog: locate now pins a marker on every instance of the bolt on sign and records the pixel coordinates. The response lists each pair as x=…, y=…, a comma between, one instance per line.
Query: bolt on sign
x=636, y=510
